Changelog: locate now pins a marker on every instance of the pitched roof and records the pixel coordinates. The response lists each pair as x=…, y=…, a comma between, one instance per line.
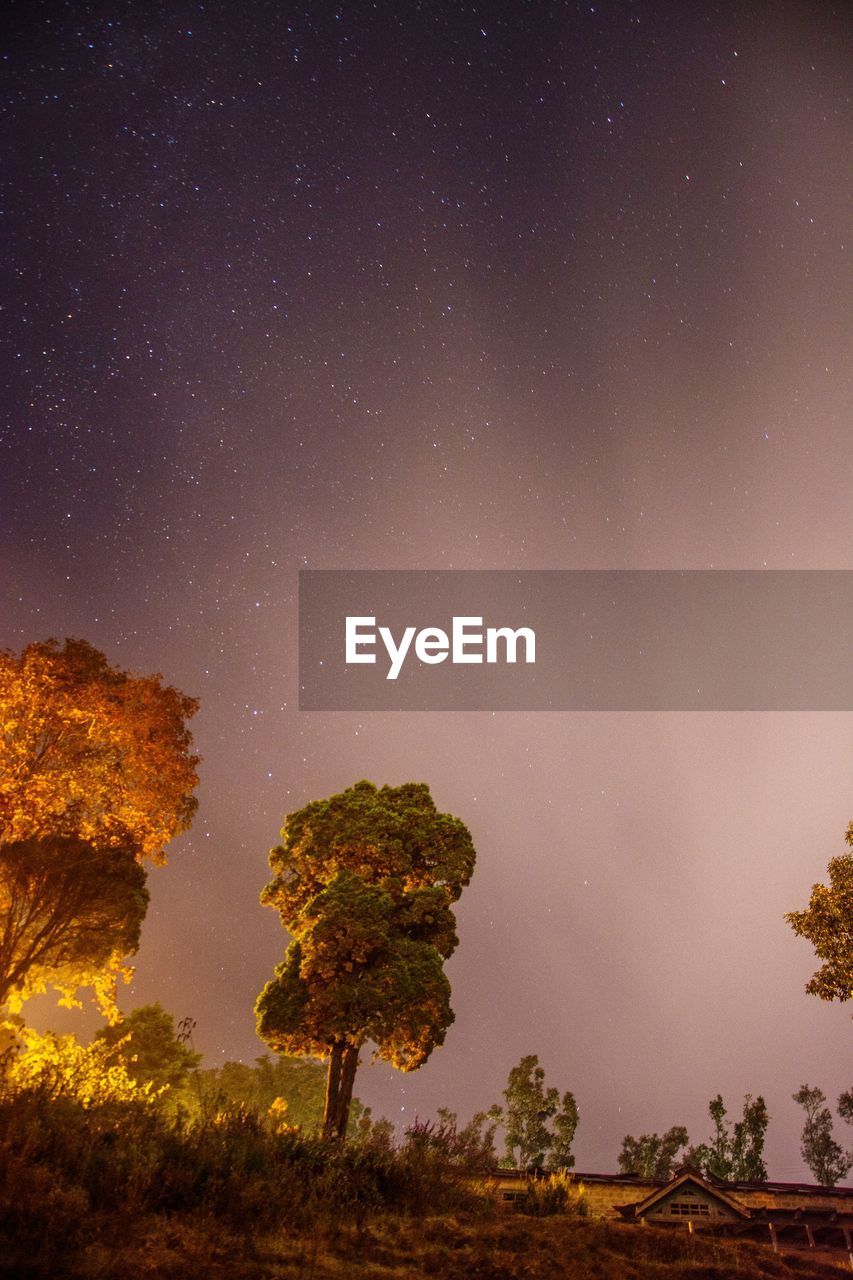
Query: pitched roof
x=641, y=1207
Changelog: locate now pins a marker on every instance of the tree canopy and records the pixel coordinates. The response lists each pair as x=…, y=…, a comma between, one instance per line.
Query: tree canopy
x=70, y=912
x=735, y=1154
x=732, y=1153
x=96, y=775
x=92, y=751
x=826, y=1158
x=827, y=922
x=537, y=1122
x=150, y=1049
x=364, y=884
x=652, y=1155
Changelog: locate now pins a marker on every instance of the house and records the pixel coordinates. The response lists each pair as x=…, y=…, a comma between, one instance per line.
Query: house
x=688, y=1197
x=791, y=1213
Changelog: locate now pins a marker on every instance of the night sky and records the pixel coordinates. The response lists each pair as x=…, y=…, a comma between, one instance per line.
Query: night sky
x=431, y=285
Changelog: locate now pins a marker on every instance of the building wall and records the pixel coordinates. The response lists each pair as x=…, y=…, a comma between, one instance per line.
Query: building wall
x=780, y=1198
x=602, y=1194
x=605, y=1194
x=603, y=1197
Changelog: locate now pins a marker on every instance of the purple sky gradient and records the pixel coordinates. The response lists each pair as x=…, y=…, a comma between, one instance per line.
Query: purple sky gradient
x=440, y=286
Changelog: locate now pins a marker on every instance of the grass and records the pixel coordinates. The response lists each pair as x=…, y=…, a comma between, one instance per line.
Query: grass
x=389, y=1247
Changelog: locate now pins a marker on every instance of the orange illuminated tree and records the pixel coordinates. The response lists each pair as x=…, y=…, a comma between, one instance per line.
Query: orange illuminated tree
x=364, y=884
x=96, y=775
x=827, y=922
x=87, y=749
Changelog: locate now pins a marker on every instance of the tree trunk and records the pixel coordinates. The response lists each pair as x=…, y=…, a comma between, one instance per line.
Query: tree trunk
x=348, y=1070
x=333, y=1090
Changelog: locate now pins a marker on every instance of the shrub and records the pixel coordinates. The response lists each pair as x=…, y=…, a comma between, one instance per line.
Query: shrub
x=556, y=1193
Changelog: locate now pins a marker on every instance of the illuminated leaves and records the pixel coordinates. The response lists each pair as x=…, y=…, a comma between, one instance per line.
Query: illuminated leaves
x=70, y=912
x=827, y=922
x=61, y=1067
x=90, y=750
x=96, y=774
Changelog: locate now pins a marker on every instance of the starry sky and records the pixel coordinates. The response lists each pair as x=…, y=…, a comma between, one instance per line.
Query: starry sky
x=506, y=285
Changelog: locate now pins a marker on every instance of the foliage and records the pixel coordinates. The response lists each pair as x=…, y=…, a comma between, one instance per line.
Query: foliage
x=96, y=774
x=70, y=913
x=299, y=1081
x=530, y=1109
x=92, y=751
x=564, y=1126
x=364, y=884
x=150, y=1049
x=117, y=1153
x=823, y=1155
x=470, y=1148
x=735, y=1155
x=121, y=1189
x=378, y=1132
x=61, y=1067
x=557, y=1193
x=444, y=1164
x=652, y=1155
x=827, y=922
x=845, y=1106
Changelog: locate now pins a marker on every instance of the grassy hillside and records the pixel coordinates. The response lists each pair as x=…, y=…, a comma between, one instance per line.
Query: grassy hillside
x=118, y=1190
x=504, y=1247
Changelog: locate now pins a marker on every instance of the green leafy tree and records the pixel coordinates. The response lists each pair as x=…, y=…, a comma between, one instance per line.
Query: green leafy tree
x=299, y=1081
x=375, y=1131
x=150, y=1048
x=748, y=1142
x=563, y=1127
x=652, y=1155
x=537, y=1122
x=529, y=1107
x=827, y=922
x=714, y=1156
x=364, y=884
x=735, y=1154
x=823, y=1155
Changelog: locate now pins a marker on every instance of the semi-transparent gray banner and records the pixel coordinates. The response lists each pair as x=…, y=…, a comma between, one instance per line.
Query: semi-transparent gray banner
x=575, y=640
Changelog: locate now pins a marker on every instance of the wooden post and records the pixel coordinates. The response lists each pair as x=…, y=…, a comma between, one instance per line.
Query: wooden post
x=849, y=1244
x=773, y=1240
x=810, y=1236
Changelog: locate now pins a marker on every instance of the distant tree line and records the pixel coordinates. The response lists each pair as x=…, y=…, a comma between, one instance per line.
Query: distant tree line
x=735, y=1154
